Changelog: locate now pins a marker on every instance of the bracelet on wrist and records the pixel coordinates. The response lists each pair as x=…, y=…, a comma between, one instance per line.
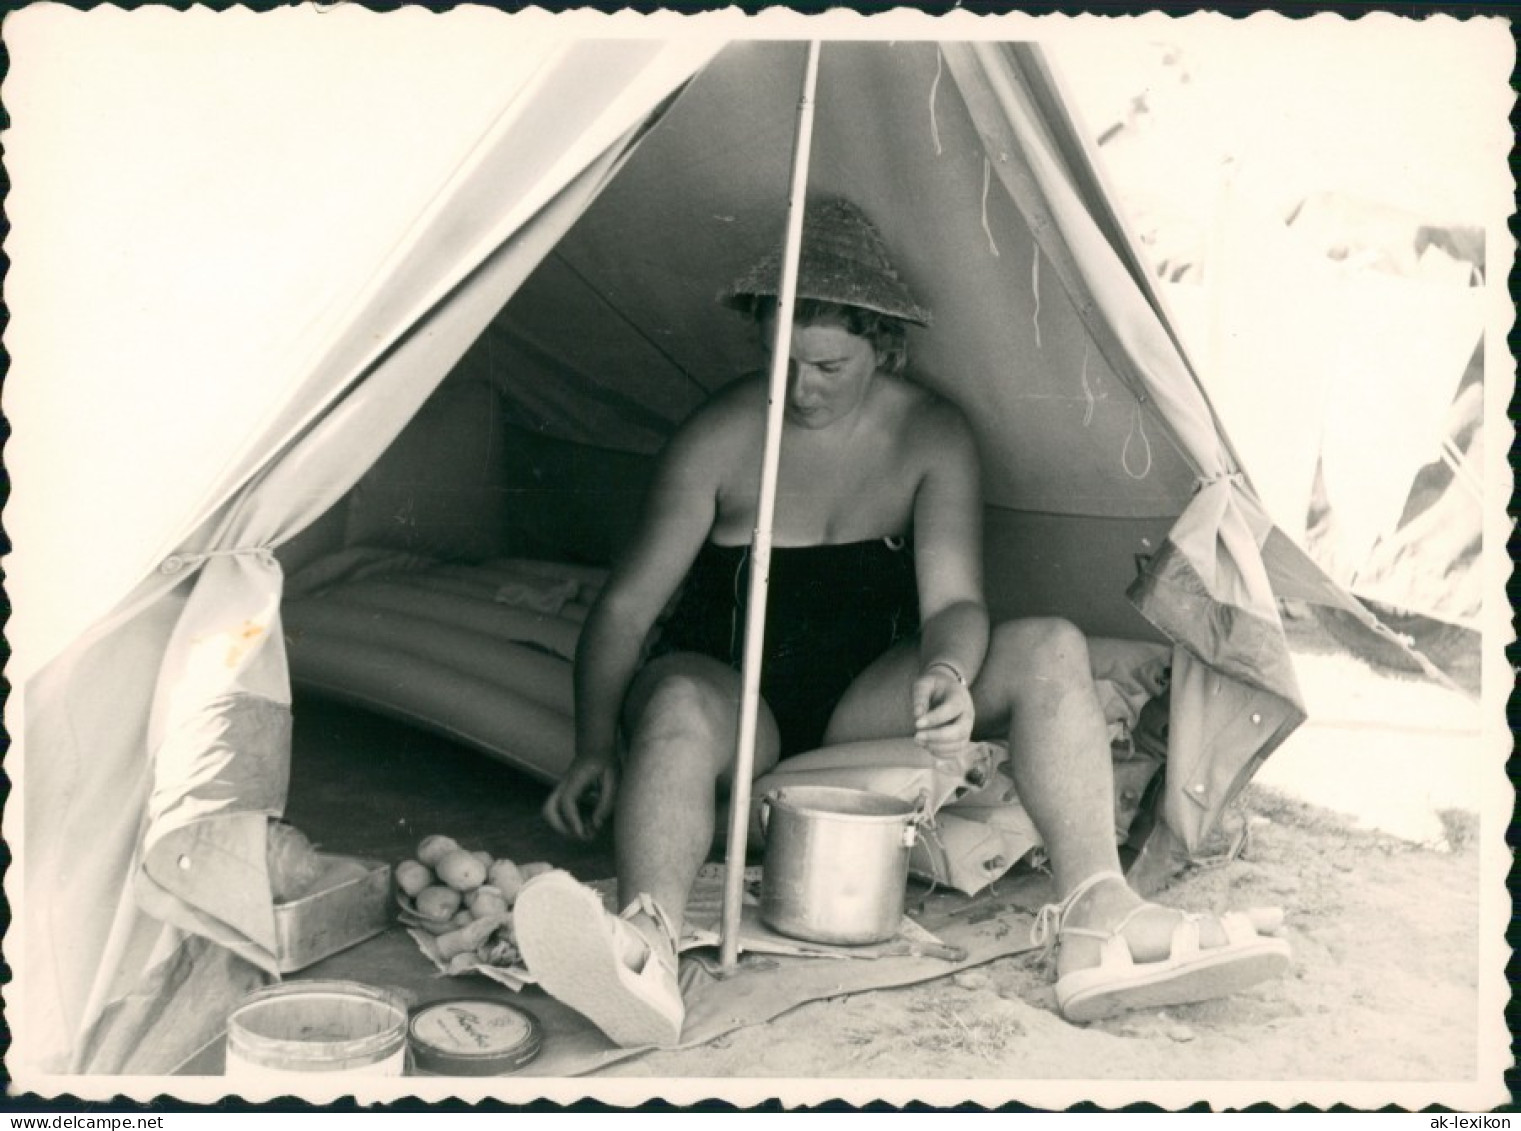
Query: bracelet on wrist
x=950, y=667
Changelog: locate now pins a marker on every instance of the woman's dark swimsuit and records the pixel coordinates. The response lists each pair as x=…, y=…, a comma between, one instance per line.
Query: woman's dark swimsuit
x=830, y=611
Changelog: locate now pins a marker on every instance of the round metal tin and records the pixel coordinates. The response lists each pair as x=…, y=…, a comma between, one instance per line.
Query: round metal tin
x=472, y=1037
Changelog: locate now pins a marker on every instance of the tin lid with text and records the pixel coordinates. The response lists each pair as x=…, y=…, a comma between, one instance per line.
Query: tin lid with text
x=473, y=1037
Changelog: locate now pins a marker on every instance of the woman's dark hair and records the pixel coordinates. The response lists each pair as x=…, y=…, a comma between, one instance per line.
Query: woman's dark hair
x=888, y=335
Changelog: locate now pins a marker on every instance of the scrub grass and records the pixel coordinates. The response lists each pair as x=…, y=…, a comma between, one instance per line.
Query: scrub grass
x=1460, y=827
x=944, y=1029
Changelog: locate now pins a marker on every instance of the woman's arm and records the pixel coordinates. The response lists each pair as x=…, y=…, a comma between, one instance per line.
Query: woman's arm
x=678, y=513
x=953, y=630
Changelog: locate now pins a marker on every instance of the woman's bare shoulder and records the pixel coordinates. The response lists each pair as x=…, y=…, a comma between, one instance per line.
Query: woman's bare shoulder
x=730, y=419
x=927, y=418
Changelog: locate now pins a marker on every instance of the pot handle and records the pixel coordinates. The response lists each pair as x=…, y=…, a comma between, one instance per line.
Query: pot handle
x=765, y=814
x=921, y=814
x=920, y=817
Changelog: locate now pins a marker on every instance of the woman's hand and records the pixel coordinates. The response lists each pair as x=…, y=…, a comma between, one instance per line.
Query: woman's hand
x=943, y=712
x=589, y=785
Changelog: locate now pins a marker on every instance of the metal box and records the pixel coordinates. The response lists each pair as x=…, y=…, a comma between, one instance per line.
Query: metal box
x=350, y=902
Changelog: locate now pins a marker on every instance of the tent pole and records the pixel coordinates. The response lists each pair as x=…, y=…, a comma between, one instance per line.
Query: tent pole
x=760, y=554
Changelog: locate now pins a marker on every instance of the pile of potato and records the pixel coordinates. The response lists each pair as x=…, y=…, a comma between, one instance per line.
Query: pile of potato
x=464, y=899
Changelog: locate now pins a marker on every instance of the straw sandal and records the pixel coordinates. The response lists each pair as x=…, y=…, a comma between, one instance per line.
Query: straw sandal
x=573, y=946
x=1189, y=973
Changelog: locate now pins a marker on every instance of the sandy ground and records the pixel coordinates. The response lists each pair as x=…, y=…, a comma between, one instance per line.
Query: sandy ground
x=1384, y=989
x=1366, y=832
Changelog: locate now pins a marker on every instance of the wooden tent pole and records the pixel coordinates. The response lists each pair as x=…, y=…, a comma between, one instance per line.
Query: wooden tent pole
x=760, y=554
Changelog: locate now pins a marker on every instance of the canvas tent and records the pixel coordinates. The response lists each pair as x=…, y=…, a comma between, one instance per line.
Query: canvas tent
x=251, y=249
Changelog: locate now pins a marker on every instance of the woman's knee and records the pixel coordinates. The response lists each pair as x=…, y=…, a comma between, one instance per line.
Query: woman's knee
x=684, y=706
x=679, y=709
x=1049, y=647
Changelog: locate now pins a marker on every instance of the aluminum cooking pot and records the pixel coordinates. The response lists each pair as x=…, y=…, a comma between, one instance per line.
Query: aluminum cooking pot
x=835, y=868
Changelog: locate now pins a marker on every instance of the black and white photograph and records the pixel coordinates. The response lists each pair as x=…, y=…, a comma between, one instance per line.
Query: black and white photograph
x=776, y=559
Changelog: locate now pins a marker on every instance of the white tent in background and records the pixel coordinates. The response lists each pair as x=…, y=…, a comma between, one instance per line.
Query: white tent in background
x=248, y=248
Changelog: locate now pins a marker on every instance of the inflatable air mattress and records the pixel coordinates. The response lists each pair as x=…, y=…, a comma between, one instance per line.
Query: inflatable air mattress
x=478, y=653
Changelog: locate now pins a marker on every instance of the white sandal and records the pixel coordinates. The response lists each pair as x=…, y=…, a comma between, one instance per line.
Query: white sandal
x=573, y=947
x=1189, y=973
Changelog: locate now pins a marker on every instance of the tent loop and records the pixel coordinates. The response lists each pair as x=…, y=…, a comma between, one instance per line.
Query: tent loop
x=174, y=563
x=987, y=175
x=1137, y=427
x=1035, y=291
x=1090, y=398
x=935, y=86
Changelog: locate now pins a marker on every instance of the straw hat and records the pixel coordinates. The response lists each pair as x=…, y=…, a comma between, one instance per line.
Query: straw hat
x=844, y=260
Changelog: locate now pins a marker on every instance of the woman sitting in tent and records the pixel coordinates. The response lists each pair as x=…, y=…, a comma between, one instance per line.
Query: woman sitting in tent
x=876, y=628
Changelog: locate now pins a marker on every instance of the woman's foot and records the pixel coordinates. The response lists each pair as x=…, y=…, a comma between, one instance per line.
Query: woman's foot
x=618, y=971
x=1117, y=952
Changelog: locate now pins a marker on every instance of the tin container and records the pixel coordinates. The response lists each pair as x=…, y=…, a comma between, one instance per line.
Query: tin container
x=288, y=1032
x=350, y=902
x=836, y=863
x=472, y=1037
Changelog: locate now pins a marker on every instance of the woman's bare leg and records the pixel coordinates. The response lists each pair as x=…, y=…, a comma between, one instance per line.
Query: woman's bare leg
x=1036, y=690
x=683, y=713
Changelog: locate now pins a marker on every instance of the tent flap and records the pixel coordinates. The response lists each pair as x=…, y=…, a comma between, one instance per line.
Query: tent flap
x=1172, y=593
x=1235, y=696
x=230, y=761
x=1219, y=727
x=172, y=1013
